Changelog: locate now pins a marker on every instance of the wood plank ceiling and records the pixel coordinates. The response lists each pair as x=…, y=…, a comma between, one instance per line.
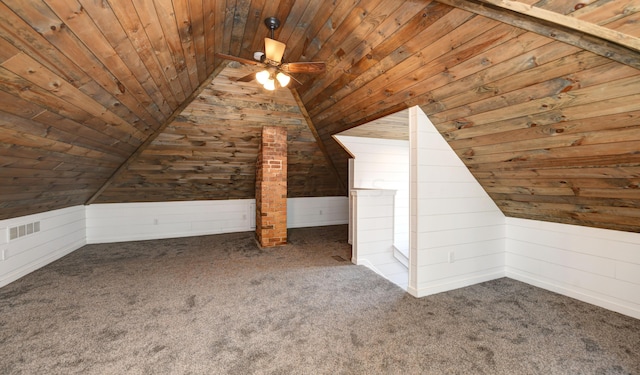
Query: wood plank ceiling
x=542, y=103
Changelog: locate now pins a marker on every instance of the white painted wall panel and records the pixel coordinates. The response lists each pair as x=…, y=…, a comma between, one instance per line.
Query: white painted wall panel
x=468, y=220
x=594, y=265
x=144, y=221
x=373, y=234
x=383, y=164
x=61, y=232
x=462, y=251
x=461, y=236
x=628, y=272
x=317, y=211
x=118, y=222
x=462, y=268
x=457, y=231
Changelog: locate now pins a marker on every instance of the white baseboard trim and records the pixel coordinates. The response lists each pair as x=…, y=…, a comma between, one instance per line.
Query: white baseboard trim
x=41, y=262
x=445, y=286
x=577, y=293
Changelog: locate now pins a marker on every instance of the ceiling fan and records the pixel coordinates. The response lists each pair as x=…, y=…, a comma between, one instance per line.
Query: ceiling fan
x=274, y=72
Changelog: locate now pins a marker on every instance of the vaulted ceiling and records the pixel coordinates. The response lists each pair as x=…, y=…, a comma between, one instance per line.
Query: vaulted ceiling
x=125, y=100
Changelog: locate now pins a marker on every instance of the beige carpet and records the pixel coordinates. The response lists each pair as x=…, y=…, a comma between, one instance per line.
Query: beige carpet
x=219, y=305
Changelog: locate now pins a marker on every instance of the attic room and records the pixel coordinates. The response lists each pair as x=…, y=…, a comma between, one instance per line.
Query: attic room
x=461, y=186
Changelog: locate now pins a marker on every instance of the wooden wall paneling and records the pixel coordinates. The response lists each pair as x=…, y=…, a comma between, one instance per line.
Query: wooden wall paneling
x=240, y=11
x=13, y=84
x=19, y=107
x=517, y=146
x=345, y=30
x=127, y=17
x=144, y=13
x=254, y=27
x=7, y=51
x=16, y=136
x=556, y=19
x=484, y=84
x=300, y=40
x=598, y=166
x=607, y=13
x=12, y=209
x=62, y=160
x=535, y=84
x=40, y=17
x=122, y=168
x=282, y=13
x=627, y=25
x=210, y=14
x=318, y=140
x=388, y=54
x=32, y=71
x=341, y=13
x=534, y=131
x=605, y=91
x=300, y=14
x=105, y=20
x=595, y=216
x=196, y=28
x=211, y=148
x=413, y=78
x=572, y=170
x=72, y=135
x=595, y=44
x=227, y=25
x=78, y=21
x=254, y=42
x=382, y=90
x=409, y=51
x=369, y=44
x=560, y=151
x=183, y=21
x=15, y=30
x=572, y=71
x=149, y=43
x=185, y=63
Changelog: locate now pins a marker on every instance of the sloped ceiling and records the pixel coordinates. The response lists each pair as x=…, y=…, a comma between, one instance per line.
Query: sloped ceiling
x=542, y=103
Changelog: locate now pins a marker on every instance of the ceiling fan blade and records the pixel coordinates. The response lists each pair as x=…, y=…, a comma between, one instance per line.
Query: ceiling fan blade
x=273, y=49
x=238, y=59
x=248, y=78
x=304, y=67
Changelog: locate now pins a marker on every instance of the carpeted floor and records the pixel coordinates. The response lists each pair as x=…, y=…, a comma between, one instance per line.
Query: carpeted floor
x=219, y=305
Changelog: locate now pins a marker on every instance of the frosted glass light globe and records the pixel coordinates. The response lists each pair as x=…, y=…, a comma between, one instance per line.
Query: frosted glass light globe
x=262, y=77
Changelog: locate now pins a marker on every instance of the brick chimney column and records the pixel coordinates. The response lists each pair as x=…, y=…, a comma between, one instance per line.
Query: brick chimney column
x=271, y=187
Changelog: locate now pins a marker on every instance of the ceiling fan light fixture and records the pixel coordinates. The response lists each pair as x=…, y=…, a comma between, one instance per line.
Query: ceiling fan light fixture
x=263, y=76
x=283, y=79
x=270, y=84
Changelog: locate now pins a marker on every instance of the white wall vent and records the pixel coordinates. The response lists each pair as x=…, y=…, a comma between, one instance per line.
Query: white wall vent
x=23, y=230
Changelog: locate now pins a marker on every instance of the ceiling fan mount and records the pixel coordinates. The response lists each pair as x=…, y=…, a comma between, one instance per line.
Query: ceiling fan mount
x=272, y=23
x=273, y=68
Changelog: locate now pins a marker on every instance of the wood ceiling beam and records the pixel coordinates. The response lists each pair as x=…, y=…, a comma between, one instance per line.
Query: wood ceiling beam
x=321, y=144
x=569, y=22
x=600, y=40
x=123, y=167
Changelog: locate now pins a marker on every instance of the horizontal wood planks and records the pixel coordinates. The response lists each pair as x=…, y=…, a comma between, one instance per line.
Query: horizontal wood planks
x=210, y=150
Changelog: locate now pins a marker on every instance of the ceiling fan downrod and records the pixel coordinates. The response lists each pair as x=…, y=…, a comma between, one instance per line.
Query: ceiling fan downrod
x=272, y=23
